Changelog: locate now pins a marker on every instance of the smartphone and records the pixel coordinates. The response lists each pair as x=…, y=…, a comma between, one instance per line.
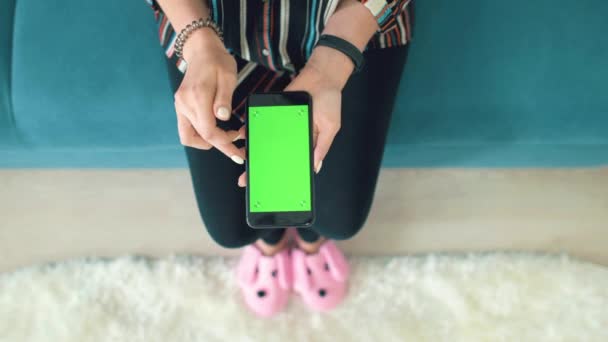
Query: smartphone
x=280, y=187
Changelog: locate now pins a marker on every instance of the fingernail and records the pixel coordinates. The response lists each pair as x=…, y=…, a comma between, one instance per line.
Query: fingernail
x=237, y=138
x=237, y=159
x=319, y=166
x=223, y=113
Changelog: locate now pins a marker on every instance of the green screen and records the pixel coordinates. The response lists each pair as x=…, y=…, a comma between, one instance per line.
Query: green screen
x=279, y=159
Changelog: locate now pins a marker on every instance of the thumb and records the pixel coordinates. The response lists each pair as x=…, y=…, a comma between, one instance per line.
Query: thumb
x=324, y=140
x=223, y=97
x=242, y=182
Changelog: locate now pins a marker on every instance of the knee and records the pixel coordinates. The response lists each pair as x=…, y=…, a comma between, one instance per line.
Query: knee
x=231, y=237
x=344, y=227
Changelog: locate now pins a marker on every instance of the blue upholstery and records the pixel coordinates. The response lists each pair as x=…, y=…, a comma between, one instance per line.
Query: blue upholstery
x=491, y=83
x=7, y=133
x=99, y=82
x=504, y=83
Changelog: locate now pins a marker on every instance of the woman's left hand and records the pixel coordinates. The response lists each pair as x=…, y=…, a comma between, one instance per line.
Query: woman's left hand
x=323, y=77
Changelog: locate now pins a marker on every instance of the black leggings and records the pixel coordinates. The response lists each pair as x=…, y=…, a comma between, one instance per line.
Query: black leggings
x=346, y=184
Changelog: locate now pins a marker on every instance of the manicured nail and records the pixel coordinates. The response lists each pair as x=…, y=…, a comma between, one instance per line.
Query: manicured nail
x=223, y=113
x=237, y=159
x=319, y=166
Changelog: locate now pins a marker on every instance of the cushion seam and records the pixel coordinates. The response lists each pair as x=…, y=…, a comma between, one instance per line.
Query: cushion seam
x=11, y=113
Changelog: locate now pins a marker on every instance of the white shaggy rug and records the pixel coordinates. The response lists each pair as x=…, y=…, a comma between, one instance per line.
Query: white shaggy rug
x=474, y=297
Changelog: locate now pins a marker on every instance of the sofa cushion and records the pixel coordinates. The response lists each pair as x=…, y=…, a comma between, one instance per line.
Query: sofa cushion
x=504, y=83
x=89, y=75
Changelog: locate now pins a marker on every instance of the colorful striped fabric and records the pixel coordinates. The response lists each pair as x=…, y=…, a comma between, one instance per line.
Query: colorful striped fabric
x=272, y=39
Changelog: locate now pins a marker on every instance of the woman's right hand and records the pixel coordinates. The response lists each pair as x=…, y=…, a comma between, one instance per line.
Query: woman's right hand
x=206, y=94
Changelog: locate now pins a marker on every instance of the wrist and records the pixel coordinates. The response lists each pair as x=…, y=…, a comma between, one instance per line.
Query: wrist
x=353, y=22
x=333, y=64
x=200, y=40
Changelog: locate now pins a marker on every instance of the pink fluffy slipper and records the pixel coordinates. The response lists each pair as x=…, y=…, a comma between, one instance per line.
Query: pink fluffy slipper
x=321, y=279
x=265, y=281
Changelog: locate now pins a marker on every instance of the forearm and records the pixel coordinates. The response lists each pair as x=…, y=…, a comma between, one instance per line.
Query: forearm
x=353, y=22
x=184, y=12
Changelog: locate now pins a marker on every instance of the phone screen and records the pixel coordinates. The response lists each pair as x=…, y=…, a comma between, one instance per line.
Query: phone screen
x=279, y=154
x=279, y=160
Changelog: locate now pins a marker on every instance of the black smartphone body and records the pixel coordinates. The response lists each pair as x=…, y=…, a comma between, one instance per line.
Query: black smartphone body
x=280, y=184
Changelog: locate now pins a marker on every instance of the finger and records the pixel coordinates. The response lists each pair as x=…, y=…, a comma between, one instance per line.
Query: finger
x=229, y=149
x=315, y=135
x=223, y=141
x=188, y=135
x=205, y=124
x=223, y=97
x=181, y=108
x=242, y=133
x=243, y=180
x=324, y=140
x=326, y=127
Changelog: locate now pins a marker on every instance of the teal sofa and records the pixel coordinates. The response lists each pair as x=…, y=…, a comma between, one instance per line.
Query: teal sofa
x=83, y=84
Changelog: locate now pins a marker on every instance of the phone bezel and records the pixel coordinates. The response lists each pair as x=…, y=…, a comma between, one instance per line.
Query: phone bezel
x=282, y=218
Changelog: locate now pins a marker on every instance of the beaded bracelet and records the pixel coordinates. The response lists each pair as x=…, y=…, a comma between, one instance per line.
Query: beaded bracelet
x=195, y=25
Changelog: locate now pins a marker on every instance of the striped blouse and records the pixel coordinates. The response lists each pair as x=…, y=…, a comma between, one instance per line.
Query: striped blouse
x=273, y=39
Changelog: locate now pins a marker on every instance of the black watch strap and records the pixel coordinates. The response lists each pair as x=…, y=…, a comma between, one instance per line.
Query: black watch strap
x=343, y=46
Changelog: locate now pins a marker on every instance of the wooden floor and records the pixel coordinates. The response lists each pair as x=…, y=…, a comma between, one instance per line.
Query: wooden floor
x=60, y=214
